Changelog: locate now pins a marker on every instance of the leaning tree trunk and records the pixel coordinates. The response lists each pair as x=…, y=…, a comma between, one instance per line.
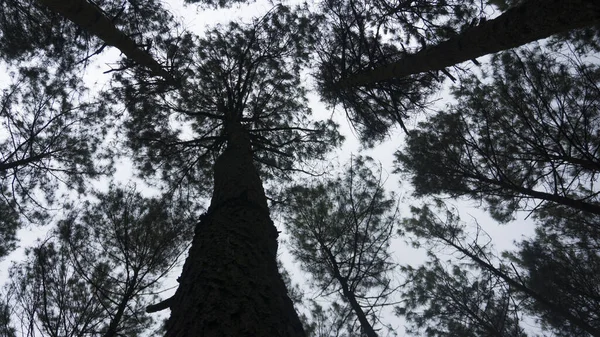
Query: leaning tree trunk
x=230, y=285
x=530, y=21
x=545, y=302
x=578, y=204
x=348, y=293
x=89, y=17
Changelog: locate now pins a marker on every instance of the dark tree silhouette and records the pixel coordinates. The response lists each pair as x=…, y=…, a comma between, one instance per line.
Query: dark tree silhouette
x=526, y=140
x=371, y=67
x=448, y=232
x=96, y=274
x=239, y=116
x=525, y=22
x=340, y=230
x=357, y=35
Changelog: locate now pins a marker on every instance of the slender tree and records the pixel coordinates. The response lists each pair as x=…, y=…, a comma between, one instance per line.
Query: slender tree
x=426, y=225
x=97, y=273
x=448, y=299
x=340, y=232
x=526, y=140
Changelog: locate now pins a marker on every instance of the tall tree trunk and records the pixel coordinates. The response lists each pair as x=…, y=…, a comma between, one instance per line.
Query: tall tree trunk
x=530, y=21
x=91, y=18
x=230, y=285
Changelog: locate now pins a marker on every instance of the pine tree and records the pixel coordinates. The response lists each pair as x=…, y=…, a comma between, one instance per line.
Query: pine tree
x=526, y=140
x=449, y=232
x=526, y=22
x=371, y=67
x=256, y=116
x=340, y=233
x=358, y=35
x=94, y=275
x=245, y=111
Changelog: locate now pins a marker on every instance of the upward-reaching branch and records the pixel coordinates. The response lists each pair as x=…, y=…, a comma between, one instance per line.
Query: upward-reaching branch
x=530, y=21
x=91, y=18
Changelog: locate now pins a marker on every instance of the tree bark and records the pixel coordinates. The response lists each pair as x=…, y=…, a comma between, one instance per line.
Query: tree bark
x=530, y=21
x=230, y=284
x=92, y=19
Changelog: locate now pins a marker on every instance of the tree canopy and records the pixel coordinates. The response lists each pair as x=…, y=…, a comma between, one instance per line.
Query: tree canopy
x=340, y=230
x=219, y=122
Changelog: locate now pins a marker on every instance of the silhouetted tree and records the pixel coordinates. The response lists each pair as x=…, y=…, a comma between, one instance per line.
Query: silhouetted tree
x=526, y=140
x=525, y=22
x=449, y=233
x=97, y=274
x=340, y=231
x=371, y=67
x=239, y=116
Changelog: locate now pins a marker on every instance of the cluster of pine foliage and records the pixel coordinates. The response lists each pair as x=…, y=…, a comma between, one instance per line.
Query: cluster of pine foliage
x=220, y=126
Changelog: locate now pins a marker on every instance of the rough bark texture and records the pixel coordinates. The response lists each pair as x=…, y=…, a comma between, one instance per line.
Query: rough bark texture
x=230, y=285
x=530, y=21
x=92, y=19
